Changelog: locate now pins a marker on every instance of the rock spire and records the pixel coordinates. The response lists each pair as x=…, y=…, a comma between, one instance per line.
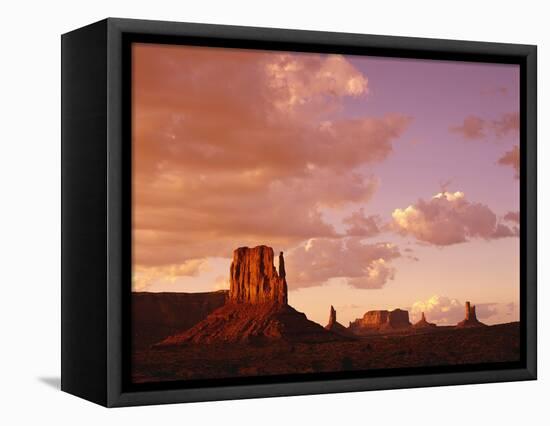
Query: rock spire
x=470, y=318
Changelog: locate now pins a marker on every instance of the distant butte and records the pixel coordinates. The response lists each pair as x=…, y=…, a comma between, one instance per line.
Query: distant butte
x=257, y=308
x=381, y=320
x=423, y=323
x=470, y=319
x=335, y=326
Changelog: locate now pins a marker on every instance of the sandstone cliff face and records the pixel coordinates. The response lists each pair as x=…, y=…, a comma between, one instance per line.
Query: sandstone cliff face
x=254, y=279
x=381, y=320
x=156, y=316
x=398, y=318
x=470, y=318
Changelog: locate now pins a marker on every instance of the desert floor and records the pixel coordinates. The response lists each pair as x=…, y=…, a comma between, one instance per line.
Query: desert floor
x=443, y=346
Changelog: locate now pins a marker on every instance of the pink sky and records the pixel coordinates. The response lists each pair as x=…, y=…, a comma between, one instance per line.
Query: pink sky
x=387, y=182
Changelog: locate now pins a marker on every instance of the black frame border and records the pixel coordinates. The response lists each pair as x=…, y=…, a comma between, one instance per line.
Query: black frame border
x=122, y=32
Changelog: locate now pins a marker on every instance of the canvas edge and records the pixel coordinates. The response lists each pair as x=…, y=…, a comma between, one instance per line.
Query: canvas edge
x=83, y=213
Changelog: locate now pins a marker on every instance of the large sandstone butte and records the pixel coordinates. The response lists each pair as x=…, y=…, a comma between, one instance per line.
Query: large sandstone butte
x=257, y=308
x=423, y=323
x=334, y=326
x=156, y=316
x=470, y=319
x=254, y=279
x=381, y=320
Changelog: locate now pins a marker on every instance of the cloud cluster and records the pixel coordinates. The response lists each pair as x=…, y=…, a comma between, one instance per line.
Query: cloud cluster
x=237, y=147
x=449, y=218
x=360, y=264
x=511, y=158
x=144, y=276
x=474, y=127
x=444, y=310
x=512, y=217
x=361, y=225
x=300, y=81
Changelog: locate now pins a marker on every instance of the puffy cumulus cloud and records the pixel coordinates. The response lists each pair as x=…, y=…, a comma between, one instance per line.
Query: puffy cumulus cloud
x=471, y=128
x=449, y=218
x=474, y=127
x=206, y=108
x=240, y=147
x=360, y=225
x=512, y=217
x=503, y=231
x=511, y=158
x=361, y=265
x=439, y=309
x=302, y=80
x=376, y=274
x=194, y=217
x=143, y=277
x=444, y=310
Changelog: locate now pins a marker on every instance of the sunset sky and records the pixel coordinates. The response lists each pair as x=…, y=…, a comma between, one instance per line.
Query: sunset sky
x=388, y=183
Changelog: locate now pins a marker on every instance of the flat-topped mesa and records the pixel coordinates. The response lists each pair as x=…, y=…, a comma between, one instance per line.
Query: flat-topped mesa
x=470, y=318
x=381, y=320
x=254, y=279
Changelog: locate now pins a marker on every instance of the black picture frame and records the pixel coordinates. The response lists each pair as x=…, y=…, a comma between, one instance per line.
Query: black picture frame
x=96, y=209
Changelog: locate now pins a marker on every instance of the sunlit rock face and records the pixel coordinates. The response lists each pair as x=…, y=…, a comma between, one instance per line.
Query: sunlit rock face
x=256, y=309
x=254, y=278
x=381, y=320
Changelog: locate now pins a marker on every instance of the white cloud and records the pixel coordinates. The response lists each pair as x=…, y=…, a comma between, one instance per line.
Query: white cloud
x=449, y=218
x=143, y=276
x=443, y=310
x=361, y=265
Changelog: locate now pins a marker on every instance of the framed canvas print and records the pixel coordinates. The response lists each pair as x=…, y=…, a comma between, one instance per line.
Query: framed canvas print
x=252, y=212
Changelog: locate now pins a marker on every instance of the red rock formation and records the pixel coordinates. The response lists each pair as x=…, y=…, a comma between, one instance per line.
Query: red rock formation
x=282, y=272
x=254, y=279
x=253, y=323
x=332, y=317
x=374, y=321
x=156, y=316
x=470, y=318
x=335, y=326
x=423, y=323
x=257, y=307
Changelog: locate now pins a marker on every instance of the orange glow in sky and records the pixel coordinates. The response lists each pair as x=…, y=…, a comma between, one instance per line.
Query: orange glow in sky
x=386, y=182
